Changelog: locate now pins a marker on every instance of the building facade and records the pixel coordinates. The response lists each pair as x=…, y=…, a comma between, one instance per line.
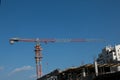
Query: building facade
x=110, y=55
x=107, y=67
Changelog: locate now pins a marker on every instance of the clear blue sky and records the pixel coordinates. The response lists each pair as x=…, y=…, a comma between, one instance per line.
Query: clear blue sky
x=87, y=19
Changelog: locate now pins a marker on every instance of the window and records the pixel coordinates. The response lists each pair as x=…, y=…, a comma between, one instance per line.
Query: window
x=118, y=54
x=114, y=54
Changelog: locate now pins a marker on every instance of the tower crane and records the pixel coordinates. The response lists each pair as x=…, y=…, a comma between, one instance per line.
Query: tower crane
x=38, y=49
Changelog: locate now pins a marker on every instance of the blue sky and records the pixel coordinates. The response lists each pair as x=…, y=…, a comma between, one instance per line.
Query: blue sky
x=86, y=19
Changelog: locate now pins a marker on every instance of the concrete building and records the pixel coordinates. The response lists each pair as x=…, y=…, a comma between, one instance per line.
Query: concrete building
x=110, y=55
x=106, y=67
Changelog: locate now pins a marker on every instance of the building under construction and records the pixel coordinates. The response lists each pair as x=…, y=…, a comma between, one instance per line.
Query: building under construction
x=85, y=72
x=106, y=67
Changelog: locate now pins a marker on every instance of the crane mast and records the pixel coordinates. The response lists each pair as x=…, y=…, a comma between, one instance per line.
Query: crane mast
x=38, y=49
x=38, y=59
x=38, y=54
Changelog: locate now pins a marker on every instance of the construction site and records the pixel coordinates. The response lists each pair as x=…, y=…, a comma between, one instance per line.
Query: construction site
x=60, y=40
x=105, y=67
x=85, y=72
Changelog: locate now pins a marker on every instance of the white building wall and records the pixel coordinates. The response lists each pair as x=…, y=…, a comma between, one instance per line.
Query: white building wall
x=110, y=55
x=117, y=50
x=114, y=56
